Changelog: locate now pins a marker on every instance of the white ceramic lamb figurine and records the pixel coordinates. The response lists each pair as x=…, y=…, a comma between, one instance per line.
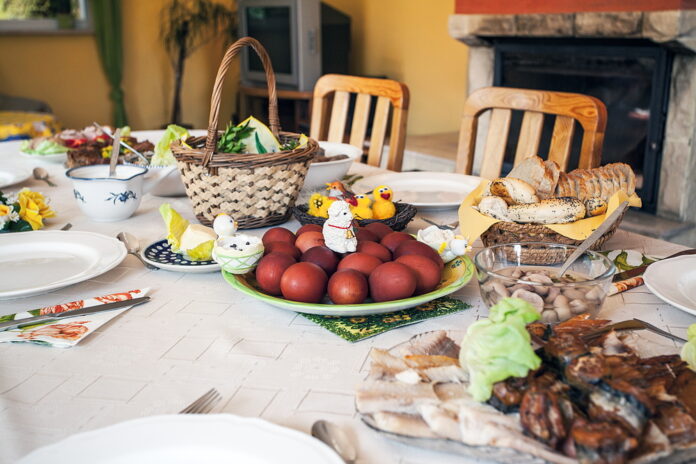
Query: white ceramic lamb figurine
x=338, y=228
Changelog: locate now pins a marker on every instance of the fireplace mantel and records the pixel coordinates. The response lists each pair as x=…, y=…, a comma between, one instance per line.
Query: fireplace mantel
x=674, y=28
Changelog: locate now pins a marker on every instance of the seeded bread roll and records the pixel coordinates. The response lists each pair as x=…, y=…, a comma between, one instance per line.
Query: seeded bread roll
x=513, y=191
x=551, y=211
x=595, y=206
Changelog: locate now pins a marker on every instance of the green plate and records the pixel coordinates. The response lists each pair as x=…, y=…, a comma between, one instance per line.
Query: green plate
x=456, y=274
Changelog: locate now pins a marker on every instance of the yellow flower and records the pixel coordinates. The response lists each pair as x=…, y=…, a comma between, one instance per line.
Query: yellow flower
x=4, y=210
x=33, y=208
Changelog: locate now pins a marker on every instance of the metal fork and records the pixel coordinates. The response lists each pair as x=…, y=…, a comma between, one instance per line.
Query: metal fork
x=441, y=226
x=633, y=324
x=203, y=404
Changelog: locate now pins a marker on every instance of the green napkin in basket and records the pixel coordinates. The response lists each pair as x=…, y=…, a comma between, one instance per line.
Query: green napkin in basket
x=357, y=328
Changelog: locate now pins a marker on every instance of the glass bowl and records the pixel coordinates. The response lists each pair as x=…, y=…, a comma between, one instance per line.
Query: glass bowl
x=529, y=271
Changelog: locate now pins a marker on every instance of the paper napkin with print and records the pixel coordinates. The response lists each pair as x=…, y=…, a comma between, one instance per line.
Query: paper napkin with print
x=625, y=260
x=357, y=328
x=69, y=331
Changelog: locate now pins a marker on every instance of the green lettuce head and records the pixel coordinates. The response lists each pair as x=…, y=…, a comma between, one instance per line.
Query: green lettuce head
x=688, y=353
x=499, y=347
x=176, y=225
x=163, y=154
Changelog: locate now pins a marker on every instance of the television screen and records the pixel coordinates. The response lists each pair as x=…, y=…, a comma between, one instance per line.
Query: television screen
x=271, y=26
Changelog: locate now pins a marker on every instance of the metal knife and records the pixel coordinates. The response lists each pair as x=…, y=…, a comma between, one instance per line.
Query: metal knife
x=75, y=312
x=637, y=271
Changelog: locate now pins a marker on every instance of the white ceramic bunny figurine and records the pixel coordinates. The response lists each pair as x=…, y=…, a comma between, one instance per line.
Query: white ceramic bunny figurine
x=338, y=228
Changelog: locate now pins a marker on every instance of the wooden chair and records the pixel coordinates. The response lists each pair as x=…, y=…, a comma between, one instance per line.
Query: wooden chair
x=332, y=127
x=588, y=111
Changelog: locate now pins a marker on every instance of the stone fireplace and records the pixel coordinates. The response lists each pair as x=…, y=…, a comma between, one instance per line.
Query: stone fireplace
x=668, y=117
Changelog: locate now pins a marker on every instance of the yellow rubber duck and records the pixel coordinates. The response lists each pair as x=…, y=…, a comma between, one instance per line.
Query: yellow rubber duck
x=383, y=208
x=318, y=205
x=362, y=210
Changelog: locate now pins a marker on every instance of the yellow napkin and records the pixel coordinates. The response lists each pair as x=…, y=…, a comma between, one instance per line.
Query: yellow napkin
x=472, y=223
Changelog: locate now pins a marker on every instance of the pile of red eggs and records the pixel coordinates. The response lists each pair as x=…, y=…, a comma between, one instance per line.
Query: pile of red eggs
x=387, y=266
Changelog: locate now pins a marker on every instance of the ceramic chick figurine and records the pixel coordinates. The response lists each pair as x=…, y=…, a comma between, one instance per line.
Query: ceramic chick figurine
x=224, y=225
x=383, y=208
x=445, y=242
x=318, y=205
x=338, y=228
x=362, y=209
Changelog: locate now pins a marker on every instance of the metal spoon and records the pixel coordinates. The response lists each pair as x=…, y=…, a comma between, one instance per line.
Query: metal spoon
x=594, y=236
x=441, y=226
x=336, y=438
x=132, y=247
x=42, y=174
x=114, y=153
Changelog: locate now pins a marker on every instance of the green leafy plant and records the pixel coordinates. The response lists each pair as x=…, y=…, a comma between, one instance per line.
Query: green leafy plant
x=290, y=144
x=185, y=26
x=232, y=140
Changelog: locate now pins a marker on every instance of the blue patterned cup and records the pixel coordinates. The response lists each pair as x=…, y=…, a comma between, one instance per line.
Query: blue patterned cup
x=108, y=199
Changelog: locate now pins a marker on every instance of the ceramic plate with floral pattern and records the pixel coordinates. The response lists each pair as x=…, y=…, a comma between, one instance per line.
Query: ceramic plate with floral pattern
x=160, y=254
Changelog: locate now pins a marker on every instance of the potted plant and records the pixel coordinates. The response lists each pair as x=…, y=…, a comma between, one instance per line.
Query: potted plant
x=185, y=26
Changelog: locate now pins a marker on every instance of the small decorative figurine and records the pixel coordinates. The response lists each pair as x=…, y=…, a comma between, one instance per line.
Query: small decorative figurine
x=362, y=208
x=445, y=242
x=338, y=191
x=318, y=205
x=338, y=228
x=383, y=208
x=236, y=253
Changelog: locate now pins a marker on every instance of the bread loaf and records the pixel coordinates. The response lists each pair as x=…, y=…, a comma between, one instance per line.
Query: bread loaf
x=494, y=207
x=550, y=211
x=595, y=206
x=541, y=175
x=513, y=191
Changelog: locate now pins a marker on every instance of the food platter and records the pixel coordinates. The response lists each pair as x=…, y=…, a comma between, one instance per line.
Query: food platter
x=457, y=273
x=37, y=262
x=185, y=438
x=679, y=292
x=11, y=175
x=424, y=190
x=160, y=254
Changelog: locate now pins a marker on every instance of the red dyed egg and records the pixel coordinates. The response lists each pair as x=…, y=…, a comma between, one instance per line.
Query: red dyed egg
x=375, y=249
x=414, y=247
x=309, y=240
x=305, y=282
x=361, y=262
x=394, y=239
x=365, y=235
x=308, y=228
x=282, y=247
x=278, y=234
x=348, y=286
x=428, y=274
x=270, y=270
x=379, y=229
x=322, y=257
x=392, y=281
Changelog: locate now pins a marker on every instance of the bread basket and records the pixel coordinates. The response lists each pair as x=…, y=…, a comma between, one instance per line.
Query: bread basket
x=258, y=190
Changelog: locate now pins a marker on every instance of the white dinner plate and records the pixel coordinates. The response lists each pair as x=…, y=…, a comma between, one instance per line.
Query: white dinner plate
x=425, y=190
x=11, y=175
x=40, y=261
x=56, y=158
x=674, y=282
x=187, y=439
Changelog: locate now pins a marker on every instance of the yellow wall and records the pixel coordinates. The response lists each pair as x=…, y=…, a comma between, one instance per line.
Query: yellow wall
x=406, y=40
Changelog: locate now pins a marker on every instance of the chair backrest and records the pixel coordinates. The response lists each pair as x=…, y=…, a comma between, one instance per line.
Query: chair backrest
x=331, y=124
x=588, y=111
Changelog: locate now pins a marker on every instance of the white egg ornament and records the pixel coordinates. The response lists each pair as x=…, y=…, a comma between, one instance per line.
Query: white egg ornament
x=236, y=253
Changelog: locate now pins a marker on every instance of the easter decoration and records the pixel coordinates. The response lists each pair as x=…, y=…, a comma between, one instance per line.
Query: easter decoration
x=236, y=253
x=365, y=210
x=338, y=232
x=23, y=211
x=194, y=241
x=448, y=245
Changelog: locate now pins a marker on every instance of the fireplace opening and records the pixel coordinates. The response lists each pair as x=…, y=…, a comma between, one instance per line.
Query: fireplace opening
x=631, y=77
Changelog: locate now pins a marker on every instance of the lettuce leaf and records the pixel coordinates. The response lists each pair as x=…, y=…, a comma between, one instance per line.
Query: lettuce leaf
x=163, y=154
x=688, y=353
x=499, y=347
x=176, y=225
x=202, y=252
x=43, y=147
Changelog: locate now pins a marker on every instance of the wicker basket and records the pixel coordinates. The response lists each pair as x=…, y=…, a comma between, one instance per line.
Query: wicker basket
x=258, y=190
x=511, y=232
x=404, y=213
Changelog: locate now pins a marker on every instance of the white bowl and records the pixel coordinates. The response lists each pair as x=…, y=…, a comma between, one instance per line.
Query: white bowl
x=321, y=173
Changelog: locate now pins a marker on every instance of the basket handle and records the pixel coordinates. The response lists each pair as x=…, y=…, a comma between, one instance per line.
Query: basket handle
x=232, y=51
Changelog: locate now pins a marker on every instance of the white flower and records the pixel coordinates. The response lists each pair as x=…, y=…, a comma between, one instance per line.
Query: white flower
x=12, y=198
x=13, y=216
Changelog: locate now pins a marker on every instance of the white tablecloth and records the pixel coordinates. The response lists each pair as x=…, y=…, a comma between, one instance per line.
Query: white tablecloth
x=198, y=333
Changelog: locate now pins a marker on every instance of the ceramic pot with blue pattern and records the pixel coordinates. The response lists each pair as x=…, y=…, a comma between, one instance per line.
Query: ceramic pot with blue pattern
x=109, y=199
